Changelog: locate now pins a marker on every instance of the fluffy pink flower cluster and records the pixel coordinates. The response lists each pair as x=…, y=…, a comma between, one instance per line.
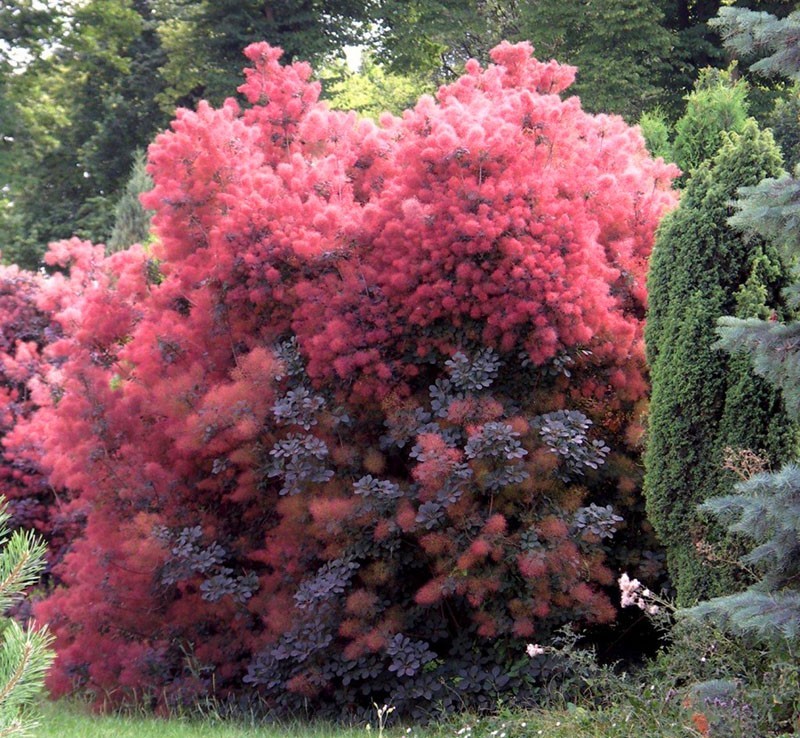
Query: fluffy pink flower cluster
x=634, y=595
x=535, y=650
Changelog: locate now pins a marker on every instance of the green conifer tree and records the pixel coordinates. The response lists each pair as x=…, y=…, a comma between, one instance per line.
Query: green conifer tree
x=749, y=33
x=702, y=400
x=656, y=132
x=718, y=104
x=132, y=221
x=25, y=653
x=766, y=508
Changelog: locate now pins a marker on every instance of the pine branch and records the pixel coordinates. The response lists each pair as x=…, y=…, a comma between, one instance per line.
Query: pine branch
x=24, y=660
x=16, y=728
x=25, y=654
x=773, y=349
x=770, y=616
x=771, y=209
x=20, y=565
x=765, y=508
x=751, y=33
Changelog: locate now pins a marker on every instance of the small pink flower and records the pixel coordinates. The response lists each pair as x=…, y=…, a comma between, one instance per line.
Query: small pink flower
x=535, y=650
x=629, y=589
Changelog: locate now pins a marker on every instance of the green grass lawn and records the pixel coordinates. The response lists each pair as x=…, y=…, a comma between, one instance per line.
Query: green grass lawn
x=64, y=720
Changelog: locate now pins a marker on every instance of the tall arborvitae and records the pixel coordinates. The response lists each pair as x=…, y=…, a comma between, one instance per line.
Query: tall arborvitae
x=766, y=508
x=132, y=221
x=702, y=400
x=718, y=104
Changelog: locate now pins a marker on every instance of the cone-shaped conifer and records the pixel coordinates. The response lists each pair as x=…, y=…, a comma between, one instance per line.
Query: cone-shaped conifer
x=766, y=508
x=703, y=400
x=717, y=105
x=131, y=220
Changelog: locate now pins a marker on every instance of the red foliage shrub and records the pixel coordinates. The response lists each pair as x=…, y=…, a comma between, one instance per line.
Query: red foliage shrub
x=341, y=423
x=26, y=329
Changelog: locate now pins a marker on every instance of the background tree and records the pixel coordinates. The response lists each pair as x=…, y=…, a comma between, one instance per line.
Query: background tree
x=627, y=41
x=371, y=89
x=628, y=38
x=113, y=74
x=81, y=110
x=131, y=220
x=703, y=402
x=631, y=56
x=307, y=29
x=24, y=31
x=448, y=33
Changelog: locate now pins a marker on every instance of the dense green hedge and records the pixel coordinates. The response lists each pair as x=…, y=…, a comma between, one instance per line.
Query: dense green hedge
x=704, y=401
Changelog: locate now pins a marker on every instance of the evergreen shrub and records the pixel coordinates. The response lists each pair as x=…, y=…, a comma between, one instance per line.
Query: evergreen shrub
x=704, y=401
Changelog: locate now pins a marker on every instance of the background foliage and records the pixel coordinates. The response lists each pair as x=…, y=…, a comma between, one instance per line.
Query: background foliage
x=85, y=85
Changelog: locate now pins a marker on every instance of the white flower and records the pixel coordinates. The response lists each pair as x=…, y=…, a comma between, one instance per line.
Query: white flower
x=629, y=589
x=535, y=650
